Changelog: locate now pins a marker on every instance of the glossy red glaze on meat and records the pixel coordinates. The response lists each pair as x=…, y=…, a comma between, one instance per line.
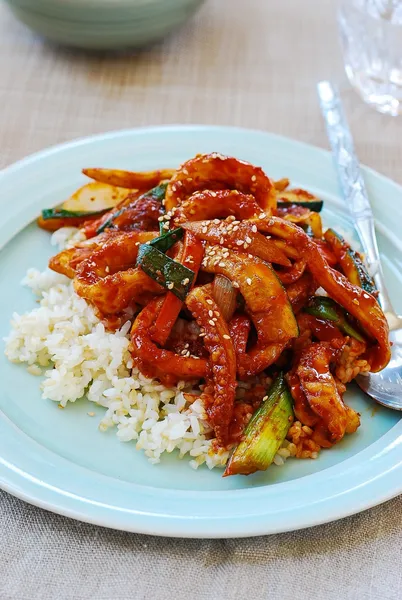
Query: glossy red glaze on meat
x=204, y=171
x=220, y=383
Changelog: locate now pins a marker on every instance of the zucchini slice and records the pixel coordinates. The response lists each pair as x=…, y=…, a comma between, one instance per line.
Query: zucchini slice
x=61, y=213
x=326, y=308
x=172, y=275
x=167, y=240
x=300, y=198
x=350, y=262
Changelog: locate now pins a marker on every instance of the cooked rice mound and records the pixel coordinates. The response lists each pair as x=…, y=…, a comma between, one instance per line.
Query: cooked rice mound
x=65, y=342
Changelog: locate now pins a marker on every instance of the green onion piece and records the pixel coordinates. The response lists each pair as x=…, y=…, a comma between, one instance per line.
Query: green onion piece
x=156, y=193
x=265, y=432
x=167, y=272
x=167, y=240
x=326, y=308
x=61, y=213
x=315, y=205
x=108, y=221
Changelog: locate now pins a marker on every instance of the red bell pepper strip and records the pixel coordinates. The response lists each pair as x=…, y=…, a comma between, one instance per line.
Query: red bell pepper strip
x=158, y=362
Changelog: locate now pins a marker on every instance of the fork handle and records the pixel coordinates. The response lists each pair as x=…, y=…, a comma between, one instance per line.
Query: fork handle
x=352, y=183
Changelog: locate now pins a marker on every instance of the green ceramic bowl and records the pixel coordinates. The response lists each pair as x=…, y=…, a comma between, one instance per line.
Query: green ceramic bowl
x=103, y=24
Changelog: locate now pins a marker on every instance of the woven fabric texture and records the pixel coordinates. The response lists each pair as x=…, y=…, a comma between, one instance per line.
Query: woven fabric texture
x=249, y=63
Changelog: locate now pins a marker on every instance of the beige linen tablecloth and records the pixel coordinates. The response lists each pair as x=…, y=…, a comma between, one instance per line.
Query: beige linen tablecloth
x=252, y=63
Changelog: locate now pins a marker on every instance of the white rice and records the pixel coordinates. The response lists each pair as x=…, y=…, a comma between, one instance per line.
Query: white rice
x=65, y=342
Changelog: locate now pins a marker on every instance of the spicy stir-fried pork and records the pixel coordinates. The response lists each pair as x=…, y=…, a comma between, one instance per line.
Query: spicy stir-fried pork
x=230, y=278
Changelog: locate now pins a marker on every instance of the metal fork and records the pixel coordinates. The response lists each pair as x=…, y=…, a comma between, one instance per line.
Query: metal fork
x=385, y=387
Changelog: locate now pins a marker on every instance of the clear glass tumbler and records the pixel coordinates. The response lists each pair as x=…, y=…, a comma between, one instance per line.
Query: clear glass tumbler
x=371, y=36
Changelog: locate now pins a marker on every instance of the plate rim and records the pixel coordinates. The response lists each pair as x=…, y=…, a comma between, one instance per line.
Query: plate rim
x=184, y=528
x=112, y=133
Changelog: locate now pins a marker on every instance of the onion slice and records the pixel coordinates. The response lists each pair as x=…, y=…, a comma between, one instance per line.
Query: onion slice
x=225, y=296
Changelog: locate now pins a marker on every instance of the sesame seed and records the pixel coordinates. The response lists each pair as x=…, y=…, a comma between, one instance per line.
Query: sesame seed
x=213, y=194
x=355, y=301
x=211, y=322
x=185, y=171
x=137, y=243
x=107, y=269
x=226, y=336
x=254, y=229
x=248, y=280
x=185, y=281
x=166, y=226
x=209, y=301
x=235, y=228
x=170, y=285
x=160, y=218
x=91, y=414
x=239, y=242
x=265, y=398
x=231, y=218
x=211, y=313
x=174, y=188
x=204, y=229
x=254, y=178
x=221, y=264
x=222, y=240
x=216, y=221
x=262, y=216
x=235, y=284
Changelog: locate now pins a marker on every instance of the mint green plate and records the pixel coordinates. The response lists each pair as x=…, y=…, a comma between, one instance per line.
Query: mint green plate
x=60, y=461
